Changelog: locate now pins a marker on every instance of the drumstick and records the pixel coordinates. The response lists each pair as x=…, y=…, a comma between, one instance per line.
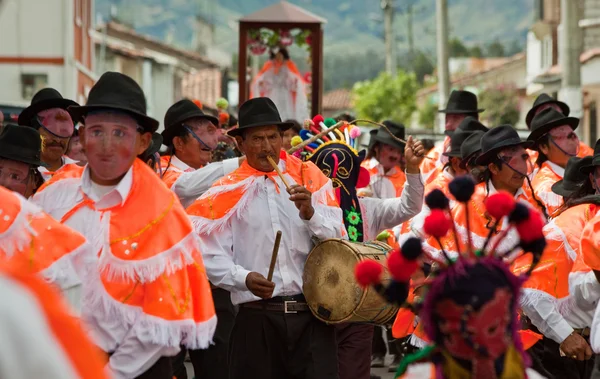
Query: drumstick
x=274, y=255
x=276, y=168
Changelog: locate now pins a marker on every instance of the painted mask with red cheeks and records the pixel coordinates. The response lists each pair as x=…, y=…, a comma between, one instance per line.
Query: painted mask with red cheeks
x=453, y=120
x=111, y=144
x=15, y=176
x=389, y=156
x=75, y=150
x=565, y=138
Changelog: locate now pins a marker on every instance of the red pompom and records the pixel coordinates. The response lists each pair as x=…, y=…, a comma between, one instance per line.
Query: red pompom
x=500, y=204
x=437, y=223
x=318, y=119
x=400, y=267
x=531, y=229
x=364, y=178
x=368, y=272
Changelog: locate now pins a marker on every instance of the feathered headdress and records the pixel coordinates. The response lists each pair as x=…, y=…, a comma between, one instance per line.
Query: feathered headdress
x=469, y=311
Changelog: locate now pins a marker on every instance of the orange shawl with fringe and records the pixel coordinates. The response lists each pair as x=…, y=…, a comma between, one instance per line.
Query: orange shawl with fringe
x=149, y=267
x=542, y=188
x=34, y=242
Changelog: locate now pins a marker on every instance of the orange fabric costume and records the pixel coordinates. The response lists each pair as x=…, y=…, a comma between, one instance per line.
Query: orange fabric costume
x=590, y=240
x=395, y=178
x=86, y=360
x=431, y=168
x=542, y=186
x=34, y=242
x=170, y=172
x=149, y=272
x=228, y=195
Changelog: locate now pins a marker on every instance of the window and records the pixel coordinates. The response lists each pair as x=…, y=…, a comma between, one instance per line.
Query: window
x=31, y=83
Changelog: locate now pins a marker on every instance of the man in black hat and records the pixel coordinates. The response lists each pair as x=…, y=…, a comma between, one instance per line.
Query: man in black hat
x=191, y=136
x=553, y=135
x=136, y=296
x=275, y=334
x=461, y=104
x=48, y=114
x=20, y=150
x=470, y=151
x=386, y=162
x=545, y=101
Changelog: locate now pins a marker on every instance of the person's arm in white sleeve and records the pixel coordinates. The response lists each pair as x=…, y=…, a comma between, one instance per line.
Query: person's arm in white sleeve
x=585, y=288
x=327, y=221
x=134, y=357
x=217, y=253
x=387, y=213
x=191, y=185
x=541, y=310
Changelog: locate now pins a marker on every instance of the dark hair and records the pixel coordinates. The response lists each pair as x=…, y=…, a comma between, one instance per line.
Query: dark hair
x=371, y=150
x=283, y=51
x=586, y=188
x=543, y=140
x=345, y=117
x=181, y=133
x=428, y=144
x=296, y=125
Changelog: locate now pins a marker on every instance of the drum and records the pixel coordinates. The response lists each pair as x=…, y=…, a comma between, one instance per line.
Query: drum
x=331, y=290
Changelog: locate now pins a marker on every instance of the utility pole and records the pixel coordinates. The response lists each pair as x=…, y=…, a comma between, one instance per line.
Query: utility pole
x=409, y=25
x=442, y=57
x=390, y=41
x=570, y=45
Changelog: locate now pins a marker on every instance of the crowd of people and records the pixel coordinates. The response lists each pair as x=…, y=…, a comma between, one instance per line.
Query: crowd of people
x=124, y=260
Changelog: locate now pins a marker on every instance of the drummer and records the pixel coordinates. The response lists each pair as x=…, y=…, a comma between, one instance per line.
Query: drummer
x=275, y=335
x=364, y=217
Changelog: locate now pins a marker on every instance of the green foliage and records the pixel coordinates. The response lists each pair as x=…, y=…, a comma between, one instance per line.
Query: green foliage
x=457, y=49
x=419, y=63
x=495, y=49
x=386, y=97
x=428, y=115
x=501, y=105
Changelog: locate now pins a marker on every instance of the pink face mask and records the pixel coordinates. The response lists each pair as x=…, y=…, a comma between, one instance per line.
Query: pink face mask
x=110, y=144
x=517, y=159
x=57, y=121
x=15, y=176
x=565, y=139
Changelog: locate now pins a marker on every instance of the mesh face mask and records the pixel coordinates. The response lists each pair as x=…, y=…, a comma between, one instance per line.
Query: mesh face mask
x=517, y=160
x=565, y=139
x=57, y=122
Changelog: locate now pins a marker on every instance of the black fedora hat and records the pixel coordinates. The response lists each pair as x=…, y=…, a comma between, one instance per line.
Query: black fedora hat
x=372, y=134
x=471, y=124
x=154, y=147
x=383, y=136
x=470, y=147
x=259, y=111
x=496, y=139
x=178, y=113
x=544, y=99
x=589, y=166
x=461, y=102
x=46, y=98
x=456, y=141
x=573, y=178
x=21, y=144
x=115, y=91
x=547, y=120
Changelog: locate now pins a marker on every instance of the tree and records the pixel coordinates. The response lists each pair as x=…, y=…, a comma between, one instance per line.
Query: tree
x=501, y=104
x=457, y=49
x=495, y=49
x=515, y=47
x=386, y=97
x=417, y=62
x=428, y=115
x=476, y=51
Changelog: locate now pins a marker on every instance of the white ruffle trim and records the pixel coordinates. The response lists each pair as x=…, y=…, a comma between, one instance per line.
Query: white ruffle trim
x=147, y=328
x=60, y=271
x=417, y=341
x=148, y=270
x=550, y=198
x=553, y=232
x=19, y=234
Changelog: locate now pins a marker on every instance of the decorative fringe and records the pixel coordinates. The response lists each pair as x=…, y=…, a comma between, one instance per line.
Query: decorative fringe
x=62, y=269
x=416, y=341
x=148, y=270
x=19, y=234
x=553, y=232
x=147, y=328
x=550, y=198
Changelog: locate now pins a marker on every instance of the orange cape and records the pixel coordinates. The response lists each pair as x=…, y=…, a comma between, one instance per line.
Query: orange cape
x=149, y=272
x=33, y=241
x=230, y=195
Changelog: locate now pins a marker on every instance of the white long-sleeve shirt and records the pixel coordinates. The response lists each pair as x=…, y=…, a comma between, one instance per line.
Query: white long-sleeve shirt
x=244, y=244
x=192, y=184
x=131, y=357
x=380, y=214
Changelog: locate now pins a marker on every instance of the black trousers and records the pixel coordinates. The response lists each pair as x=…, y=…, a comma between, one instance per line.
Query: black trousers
x=354, y=350
x=547, y=361
x=275, y=345
x=379, y=348
x=211, y=363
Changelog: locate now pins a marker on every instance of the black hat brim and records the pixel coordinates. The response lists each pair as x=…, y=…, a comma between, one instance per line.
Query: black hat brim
x=389, y=141
x=488, y=157
x=460, y=111
x=78, y=113
x=171, y=130
x=283, y=126
x=157, y=141
x=451, y=154
x=17, y=154
x=587, y=169
x=539, y=132
x=531, y=114
x=463, y=162
x=559, y=189
x=28, y=113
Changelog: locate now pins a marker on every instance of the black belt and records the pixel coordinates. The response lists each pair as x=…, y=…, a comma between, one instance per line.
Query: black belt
x=285, y=304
